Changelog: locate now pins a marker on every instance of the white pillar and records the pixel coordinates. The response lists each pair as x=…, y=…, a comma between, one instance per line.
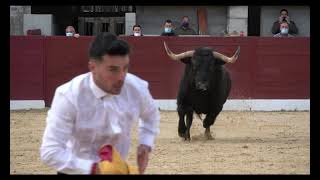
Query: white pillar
x=16, y=18
x=237, y=19
x=130, y=21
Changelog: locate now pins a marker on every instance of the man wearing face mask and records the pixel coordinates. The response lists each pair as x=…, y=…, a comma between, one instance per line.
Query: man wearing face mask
x=168, y=28
x=71, y=32
x=185, y=29
x=284, y=16
x=284, y=30
x=136, y=30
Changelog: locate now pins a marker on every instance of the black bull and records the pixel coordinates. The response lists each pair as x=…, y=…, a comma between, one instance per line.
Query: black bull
x=204, y=87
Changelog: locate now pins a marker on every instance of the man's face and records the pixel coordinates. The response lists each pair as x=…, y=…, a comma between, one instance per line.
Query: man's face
x=70, y=30
x=136, y=30
x=110, y=73
x=284, y=28
x=168, y=25
x=283, y=14
x=185, y=19
x=284, y=25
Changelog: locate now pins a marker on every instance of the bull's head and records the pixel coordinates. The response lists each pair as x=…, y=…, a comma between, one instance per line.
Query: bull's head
x=202, y=63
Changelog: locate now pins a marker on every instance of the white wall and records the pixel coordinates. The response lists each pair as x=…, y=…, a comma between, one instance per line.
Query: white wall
x=16, y=18
x=39, y=21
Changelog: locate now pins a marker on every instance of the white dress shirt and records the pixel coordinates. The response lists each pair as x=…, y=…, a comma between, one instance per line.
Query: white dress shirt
x=83, y=117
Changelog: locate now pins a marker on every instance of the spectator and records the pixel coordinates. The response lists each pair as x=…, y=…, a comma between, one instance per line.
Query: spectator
x=185, y=29
x=71, y=32
x=167, y=27
x=284, y=15
x=136, y=30
x=284, y=30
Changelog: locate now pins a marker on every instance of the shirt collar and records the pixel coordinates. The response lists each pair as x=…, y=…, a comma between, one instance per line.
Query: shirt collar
x=98, y=92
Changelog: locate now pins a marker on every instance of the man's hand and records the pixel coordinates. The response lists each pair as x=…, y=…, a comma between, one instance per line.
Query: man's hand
x=288, y=19
x=280, y=19
x=76, y=35
x=143, y=157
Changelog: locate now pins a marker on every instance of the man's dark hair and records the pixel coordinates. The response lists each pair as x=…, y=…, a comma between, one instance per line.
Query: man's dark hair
x=107, y=43
x=137, y=25
x=184, y=17
x=284, y=10
x=168, y=21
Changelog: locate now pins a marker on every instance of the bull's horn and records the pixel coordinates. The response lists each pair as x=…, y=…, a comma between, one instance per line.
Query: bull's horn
x=177, y=57
x=226, y=58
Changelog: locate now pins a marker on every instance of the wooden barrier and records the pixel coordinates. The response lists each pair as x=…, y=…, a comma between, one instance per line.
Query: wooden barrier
x=268, y=68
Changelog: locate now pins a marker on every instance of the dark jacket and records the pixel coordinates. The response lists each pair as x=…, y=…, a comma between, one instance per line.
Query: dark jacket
x=168, y=34
x=185, y=31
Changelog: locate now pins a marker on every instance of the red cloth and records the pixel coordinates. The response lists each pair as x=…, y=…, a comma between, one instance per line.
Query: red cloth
x=105, y=153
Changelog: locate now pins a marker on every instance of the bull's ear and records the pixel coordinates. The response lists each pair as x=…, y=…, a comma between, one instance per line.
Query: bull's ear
x=186, y=60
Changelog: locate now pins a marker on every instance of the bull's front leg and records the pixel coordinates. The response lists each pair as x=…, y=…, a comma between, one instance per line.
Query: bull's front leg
x=207, y=122
x=210, y=119
x=181, y=125
x=189, y=123
x=207, y=134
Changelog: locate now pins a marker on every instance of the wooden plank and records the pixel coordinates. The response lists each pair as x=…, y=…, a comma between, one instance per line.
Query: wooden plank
x=202, y=20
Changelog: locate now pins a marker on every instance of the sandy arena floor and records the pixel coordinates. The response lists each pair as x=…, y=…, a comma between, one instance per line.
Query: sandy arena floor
x=245, y=143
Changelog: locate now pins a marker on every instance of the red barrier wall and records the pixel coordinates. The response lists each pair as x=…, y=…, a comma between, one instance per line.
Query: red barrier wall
x=268, y=68
x=65, y=59
x=27, y=68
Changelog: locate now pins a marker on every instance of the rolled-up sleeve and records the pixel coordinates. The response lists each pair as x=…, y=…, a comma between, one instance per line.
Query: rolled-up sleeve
x=149, y=120
x=60, y=124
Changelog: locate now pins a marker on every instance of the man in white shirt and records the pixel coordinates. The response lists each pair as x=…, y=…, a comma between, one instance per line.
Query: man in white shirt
x=99, y=108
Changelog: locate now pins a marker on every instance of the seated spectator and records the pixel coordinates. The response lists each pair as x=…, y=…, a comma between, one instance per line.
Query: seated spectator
x=167, y=27
x=184, y=29
x=284, y=30
x=136, y=29
x=71, y=32
x=284, y=17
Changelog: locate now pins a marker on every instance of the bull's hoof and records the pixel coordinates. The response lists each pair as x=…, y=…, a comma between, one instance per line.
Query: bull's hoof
x=181, y=134
x=208, y=135
x=187, y=136
x=184, y=136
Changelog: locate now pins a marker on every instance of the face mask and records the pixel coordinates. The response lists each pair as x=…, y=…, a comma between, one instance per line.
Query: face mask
x=69, y=34
x=136, y=34
x=185, y=24
x=167, y=30
x=284, y=31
